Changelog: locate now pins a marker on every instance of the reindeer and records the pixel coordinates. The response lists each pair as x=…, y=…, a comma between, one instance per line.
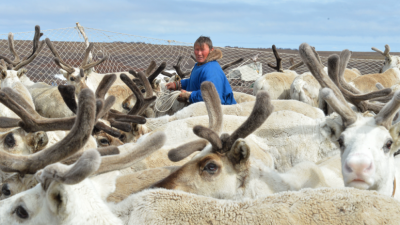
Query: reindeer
x=11, y=70
x=305, y=87
x=388, y=76
x=114, y=159
x=225, y=169
x=57, y=196
x=31, y=124
x=12, y=139
x=391, y=61
x=305, y=138
x=277, y=83
x=89, y=78
x=367, y=144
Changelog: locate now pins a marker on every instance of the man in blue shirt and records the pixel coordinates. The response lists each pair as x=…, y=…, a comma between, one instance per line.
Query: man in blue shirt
x=206, y=69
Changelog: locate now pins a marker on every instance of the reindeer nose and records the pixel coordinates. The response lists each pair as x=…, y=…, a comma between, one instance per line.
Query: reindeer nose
x=359, y=164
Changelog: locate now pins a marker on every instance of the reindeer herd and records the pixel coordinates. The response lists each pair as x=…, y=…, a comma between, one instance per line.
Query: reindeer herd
x=311, y=148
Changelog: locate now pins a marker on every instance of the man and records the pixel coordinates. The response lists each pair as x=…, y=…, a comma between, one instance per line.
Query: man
x=206, y=69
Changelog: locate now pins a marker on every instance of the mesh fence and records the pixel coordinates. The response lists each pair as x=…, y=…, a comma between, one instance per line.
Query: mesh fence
x=136, y=52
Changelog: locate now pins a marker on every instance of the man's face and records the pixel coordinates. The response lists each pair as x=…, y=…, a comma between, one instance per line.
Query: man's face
x=201, y=52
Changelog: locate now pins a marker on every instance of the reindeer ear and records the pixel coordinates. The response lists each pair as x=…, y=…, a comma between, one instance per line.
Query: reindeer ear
x=64, y=73
x=21, y=72
x=239, y=153
x=3, y=75
x=57, y=198
x=395, y=133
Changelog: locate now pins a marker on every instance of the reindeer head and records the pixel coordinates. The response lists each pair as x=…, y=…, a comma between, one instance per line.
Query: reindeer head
x=61, y=190
x=220, y=170
x=18, y=141
x=366, y=142
x=73, y=75
x=390, y=61
x=112, y=161
x=103, y=139
x=13, y=69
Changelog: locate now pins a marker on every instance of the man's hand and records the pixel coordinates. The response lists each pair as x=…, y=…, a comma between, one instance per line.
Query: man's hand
x=172, y=86
x=184, y=96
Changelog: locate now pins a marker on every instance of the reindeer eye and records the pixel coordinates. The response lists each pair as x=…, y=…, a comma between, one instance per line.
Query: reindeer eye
x=21, y=212
x=387, y=146
x=9, y=140
x=5, y=191
x=143, y=90
x=122, y=138
x=211, y=168
x=104, y=141
x=125, y=106
x=72, y=79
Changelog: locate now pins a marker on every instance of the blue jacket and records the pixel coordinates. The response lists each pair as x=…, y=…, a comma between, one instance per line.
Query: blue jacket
x=210, y=71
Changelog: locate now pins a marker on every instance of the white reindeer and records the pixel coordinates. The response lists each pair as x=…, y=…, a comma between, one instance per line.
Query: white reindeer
x=366, y=143
x=277, y=83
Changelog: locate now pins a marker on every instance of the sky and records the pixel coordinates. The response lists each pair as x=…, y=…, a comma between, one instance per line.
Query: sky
x=329, y=25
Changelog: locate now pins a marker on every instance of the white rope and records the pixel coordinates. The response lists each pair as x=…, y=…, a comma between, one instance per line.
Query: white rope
x=165, y=99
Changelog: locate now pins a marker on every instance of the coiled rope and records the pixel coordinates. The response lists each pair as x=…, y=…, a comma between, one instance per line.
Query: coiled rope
x=165, y=99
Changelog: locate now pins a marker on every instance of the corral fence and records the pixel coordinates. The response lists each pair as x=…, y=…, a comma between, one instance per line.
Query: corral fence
x=127, y=51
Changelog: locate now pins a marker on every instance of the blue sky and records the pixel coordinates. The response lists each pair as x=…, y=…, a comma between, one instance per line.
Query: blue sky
x=330, y=25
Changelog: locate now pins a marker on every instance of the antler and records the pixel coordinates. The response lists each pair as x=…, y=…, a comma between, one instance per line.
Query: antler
x=386, y=53
x=33, y=122
x=388, y=112
x=334, y=98
x=25, y=62
x=3, y=66
x=141, y=102
x=86, y=165
x=58, y=60
x=278, y=66
x=354, y=96
x=70, y=144
x=261, y=111
x=237, y=61
x=117, y=120
x=155, y=74
x=138, y=152
x=12, y=49
x=104, y=151
x=178, y=70
x=213, y=105
x=17, y=63
x=85, y=65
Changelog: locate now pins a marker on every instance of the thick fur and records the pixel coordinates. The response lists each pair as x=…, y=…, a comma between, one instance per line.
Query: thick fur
x=62, y=204
x=240, y=178
x=243, y=97
x=135, y=182
x=288, y=136
x=47, y=99
x=318, y=206
x=366, y=83
x=213, y=55
x=277, y=84
x=243, y=109
x=305, y=87
x=140, y=151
